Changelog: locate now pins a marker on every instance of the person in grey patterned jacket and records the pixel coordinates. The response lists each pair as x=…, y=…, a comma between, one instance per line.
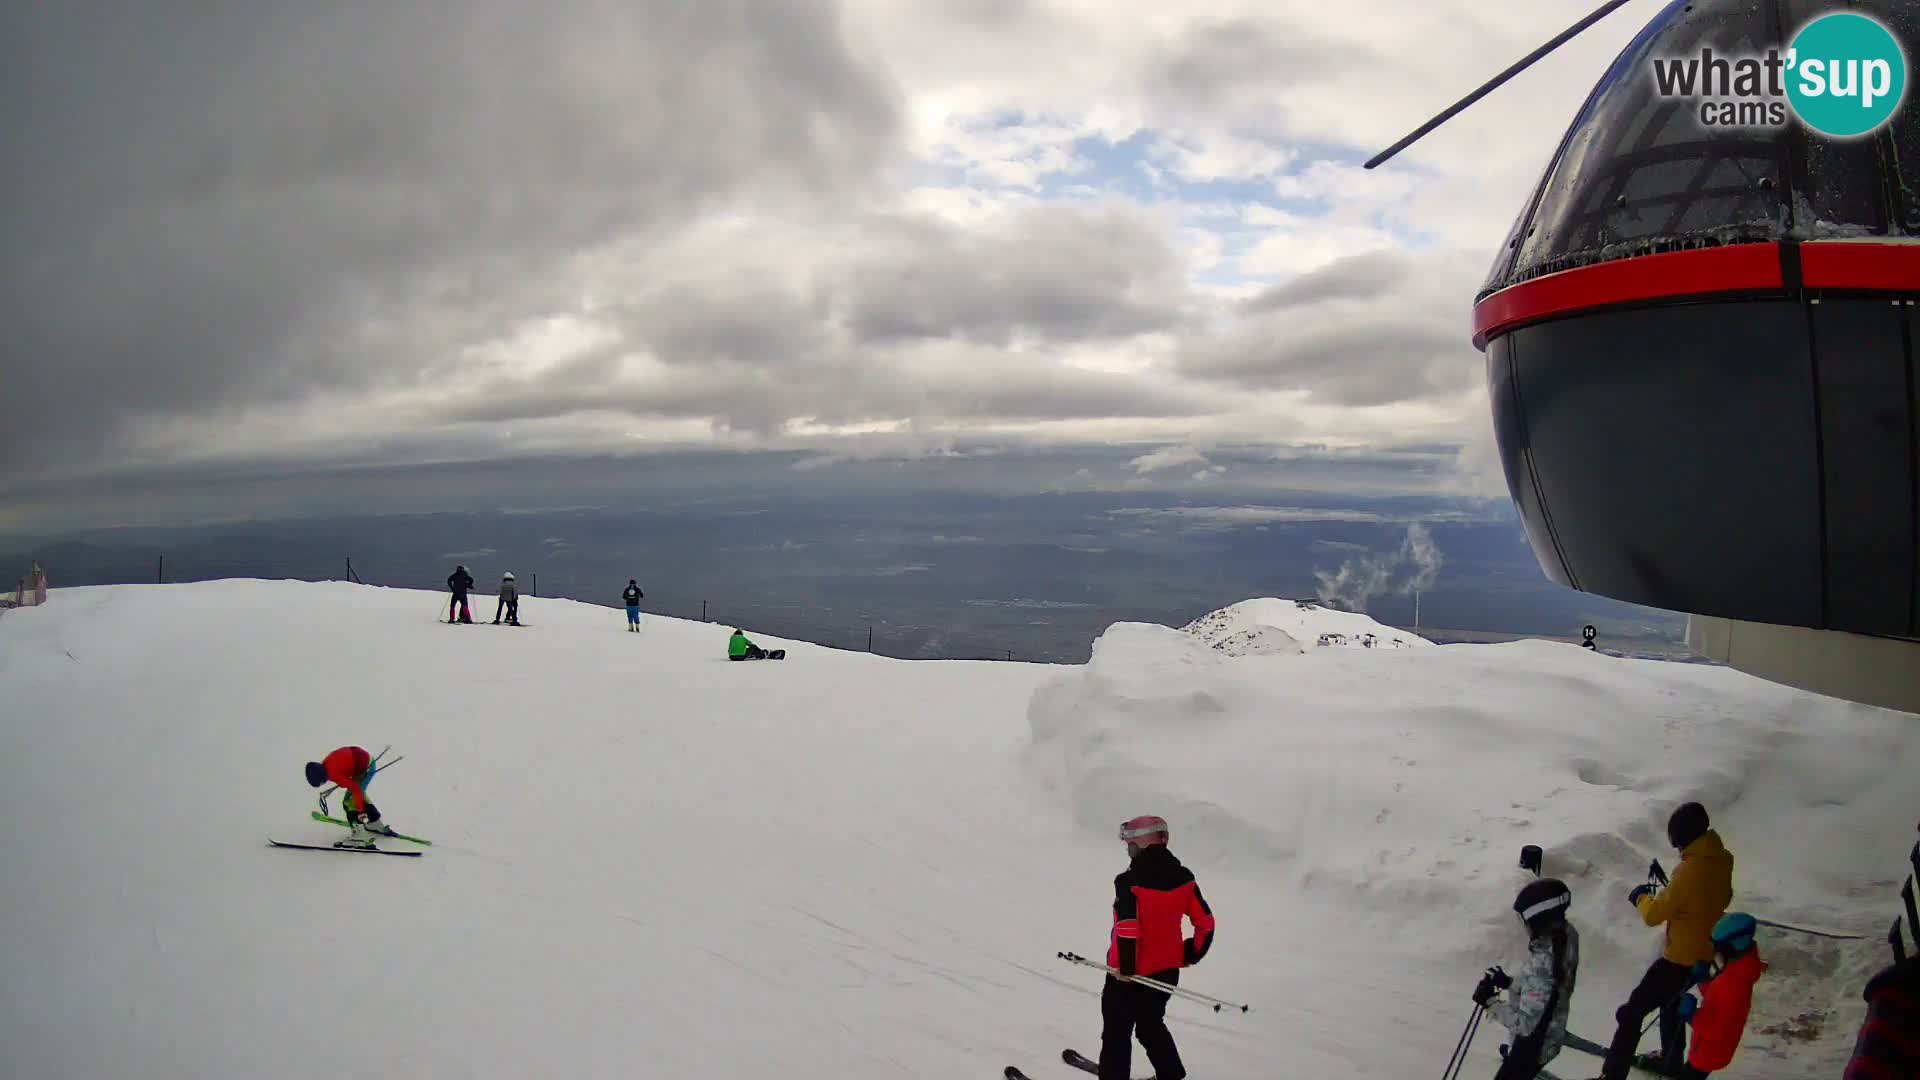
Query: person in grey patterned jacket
x=1538, y=998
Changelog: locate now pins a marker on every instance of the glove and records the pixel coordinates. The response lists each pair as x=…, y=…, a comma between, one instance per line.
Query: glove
x=1191, y=951
x=1485, y=990
x=1501, y=979
x=1638, y=892
x=1655, y=872
x=1686, y=1008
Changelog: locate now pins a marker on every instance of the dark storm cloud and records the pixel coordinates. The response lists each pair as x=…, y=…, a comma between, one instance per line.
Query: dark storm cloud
x=1344, y=363
x=916, y=322
x=173, y=494
x=1349, y=278
x=215, y=205
x=1051, y=273
x=1214, y=63
x=1365, y=330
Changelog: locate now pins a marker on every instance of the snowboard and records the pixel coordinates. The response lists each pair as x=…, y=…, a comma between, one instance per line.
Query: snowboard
x=343, y=850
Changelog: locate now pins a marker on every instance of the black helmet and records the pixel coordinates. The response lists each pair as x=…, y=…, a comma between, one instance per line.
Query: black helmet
x=1543, y=904
x=316, y=773
x=1689, y=823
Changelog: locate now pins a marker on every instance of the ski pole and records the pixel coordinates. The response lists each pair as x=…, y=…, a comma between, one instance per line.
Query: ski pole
x=1168, y=988
x=1459, y=1059
x=1664, y=1006
x=1814, y=933
x=374, y=767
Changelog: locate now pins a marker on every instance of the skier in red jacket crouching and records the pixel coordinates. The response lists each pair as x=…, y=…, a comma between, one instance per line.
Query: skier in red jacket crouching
x=352, y=768
x=1150, y=898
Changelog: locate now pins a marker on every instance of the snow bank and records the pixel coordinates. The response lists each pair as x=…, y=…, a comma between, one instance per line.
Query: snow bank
x=1248, y=627
x=1400, y=785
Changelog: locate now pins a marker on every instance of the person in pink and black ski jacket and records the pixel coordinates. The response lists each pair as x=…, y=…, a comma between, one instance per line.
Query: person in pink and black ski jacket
x=1150, y=898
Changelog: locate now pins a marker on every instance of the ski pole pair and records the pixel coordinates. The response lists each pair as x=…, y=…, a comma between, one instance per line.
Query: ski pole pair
x=1459, y=1059
x=1167, y=988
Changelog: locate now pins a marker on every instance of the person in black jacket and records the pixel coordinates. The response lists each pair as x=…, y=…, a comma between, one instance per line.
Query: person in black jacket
x=1150, y=898
x=632, y=596
x=459, y=581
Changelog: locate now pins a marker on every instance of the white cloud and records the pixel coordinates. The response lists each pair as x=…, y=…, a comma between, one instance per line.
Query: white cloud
x=1207, y=156
x=1171, y=457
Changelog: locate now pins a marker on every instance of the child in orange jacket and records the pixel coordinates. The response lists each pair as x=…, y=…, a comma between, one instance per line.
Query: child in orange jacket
x=1719, y=1018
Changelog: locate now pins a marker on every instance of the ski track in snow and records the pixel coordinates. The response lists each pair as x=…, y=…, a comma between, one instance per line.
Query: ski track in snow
x=651, y=861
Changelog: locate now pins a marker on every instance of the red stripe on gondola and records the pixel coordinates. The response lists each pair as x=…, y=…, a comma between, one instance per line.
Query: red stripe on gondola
x=1860, y=265
x=1700, y=272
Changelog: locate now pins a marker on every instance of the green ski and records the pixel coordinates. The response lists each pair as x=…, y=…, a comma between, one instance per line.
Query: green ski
x=318, y=816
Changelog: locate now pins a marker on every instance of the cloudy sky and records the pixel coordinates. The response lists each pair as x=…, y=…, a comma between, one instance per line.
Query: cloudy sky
x=262, y=246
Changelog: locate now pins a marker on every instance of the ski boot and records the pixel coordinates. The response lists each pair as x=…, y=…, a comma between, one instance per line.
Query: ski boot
x=361, y=838
x=1653, y=1063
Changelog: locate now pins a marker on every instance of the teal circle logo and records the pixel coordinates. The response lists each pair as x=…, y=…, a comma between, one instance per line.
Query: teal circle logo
x=1846, y=74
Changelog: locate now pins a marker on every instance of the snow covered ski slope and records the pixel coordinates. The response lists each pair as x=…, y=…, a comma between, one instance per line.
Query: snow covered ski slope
x=648, y=861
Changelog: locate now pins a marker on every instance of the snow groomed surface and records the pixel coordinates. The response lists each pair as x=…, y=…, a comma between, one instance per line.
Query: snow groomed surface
x=650, y=861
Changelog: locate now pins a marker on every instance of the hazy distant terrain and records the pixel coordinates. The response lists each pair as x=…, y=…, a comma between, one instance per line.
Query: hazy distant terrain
x=935, y=575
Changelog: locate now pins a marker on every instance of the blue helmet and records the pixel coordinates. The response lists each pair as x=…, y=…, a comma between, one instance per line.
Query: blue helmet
x=1733, y=934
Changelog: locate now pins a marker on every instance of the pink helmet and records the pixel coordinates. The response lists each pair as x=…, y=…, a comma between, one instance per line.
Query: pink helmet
x=1144, y=830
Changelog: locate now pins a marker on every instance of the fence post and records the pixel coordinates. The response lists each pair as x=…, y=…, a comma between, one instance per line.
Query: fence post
x=160, y=572
x=703, y=611
x=534, y=590
x=869, y=638
x=1009, y=656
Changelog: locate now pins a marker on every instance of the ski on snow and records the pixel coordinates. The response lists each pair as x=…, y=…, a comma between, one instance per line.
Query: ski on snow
x=1071, y=1056
x=343, y=850
x=318, y=816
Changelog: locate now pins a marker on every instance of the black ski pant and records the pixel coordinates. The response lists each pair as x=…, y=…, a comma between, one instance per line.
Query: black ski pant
x=1130, y=1009
x=511, y=605
x=459, y=603
x=1659, y=988
x=1523, y=1057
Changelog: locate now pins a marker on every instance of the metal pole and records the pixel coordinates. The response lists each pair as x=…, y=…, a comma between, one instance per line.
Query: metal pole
x=1494, y=83
x=535, y=590
x=160, y=572
x=703, y=611
x=869, y=638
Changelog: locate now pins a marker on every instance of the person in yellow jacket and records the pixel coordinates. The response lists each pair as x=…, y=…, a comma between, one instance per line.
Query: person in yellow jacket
x=1695, y=898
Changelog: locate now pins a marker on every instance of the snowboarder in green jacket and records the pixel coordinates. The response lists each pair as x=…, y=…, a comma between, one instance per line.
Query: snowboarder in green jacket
x=739, y=648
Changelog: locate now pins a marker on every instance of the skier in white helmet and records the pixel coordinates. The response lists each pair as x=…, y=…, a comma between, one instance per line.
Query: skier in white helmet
x=509, y=601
